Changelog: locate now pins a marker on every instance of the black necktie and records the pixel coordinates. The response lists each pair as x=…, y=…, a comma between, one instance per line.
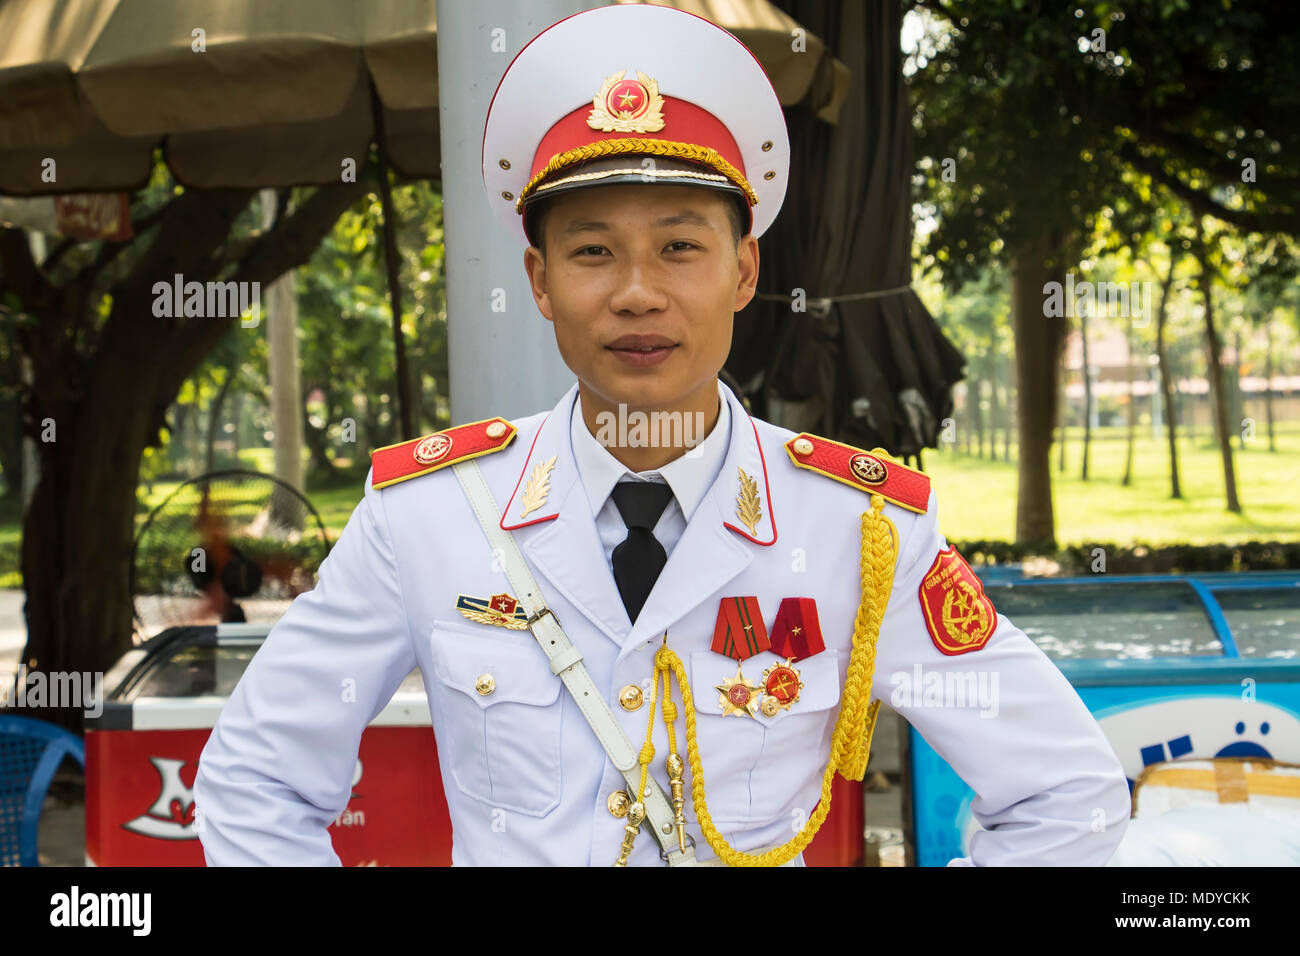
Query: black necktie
x=640, y=557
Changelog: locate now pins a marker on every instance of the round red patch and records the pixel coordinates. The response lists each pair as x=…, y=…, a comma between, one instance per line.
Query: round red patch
x=783, y=684
x=627, y=99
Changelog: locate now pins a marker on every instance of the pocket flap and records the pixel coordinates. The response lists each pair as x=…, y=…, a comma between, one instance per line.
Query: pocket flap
x=516, y=670
x=820, y=675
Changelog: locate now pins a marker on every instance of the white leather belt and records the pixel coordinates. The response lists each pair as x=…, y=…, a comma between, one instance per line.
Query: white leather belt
x=566, y=662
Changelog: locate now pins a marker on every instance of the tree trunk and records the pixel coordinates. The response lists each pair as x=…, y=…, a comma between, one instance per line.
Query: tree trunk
x=1038, y=357
x=1087, y=393
x=1132, y=405
x=284, y=375
x=79, y=527
x=1268, y=381
x=968, y=426
x=995, y=408
x=318, y=447
x=214, y=420
x=1232, y=389
x=1167, y=380
x=1010, y=407
x=108, y=400
x=977, y=406
x=1062, y=415
x=236, y=419
x=179, y=438
x=1215, y=375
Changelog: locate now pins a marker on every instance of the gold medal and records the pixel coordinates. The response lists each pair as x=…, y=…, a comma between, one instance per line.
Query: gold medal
x=781, y=683
x=738, y=696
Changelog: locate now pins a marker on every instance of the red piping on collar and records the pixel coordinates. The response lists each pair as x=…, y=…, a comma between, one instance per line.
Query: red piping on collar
x=767, y=488
x=525, y=524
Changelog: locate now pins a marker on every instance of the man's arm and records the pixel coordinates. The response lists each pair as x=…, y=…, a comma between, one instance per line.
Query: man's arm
x=1049, y=788
x=278, y=766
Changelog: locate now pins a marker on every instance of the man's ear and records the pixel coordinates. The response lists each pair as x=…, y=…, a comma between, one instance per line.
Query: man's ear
x=748, y=267
x=535, y=266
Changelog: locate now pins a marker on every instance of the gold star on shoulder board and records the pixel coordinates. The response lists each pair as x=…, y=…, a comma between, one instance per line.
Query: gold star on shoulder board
x=738, y=696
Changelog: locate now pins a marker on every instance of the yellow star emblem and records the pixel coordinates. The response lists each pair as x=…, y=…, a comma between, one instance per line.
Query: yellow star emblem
x=738, y=696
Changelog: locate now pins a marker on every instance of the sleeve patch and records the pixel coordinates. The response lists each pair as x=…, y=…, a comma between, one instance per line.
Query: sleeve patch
x=958, y=614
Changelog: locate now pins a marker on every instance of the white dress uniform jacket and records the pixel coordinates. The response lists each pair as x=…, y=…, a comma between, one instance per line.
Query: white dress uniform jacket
x=526, y=780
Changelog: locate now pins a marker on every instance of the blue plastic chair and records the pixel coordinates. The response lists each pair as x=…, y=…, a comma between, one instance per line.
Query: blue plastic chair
x=30, y=752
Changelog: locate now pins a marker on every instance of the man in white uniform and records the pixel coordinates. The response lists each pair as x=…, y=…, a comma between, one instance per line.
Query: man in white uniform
x=635, y=652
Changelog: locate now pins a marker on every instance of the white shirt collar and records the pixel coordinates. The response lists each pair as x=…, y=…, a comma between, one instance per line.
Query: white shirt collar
x=690, y=475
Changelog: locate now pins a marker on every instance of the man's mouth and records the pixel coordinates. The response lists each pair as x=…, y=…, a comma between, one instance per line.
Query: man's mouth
x=642, y=350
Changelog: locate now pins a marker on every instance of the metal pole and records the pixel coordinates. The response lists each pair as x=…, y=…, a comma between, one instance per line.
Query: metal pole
x=502, y=351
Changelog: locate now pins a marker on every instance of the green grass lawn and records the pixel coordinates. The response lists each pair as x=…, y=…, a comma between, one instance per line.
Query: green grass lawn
x=335, y=502
x=977, y=497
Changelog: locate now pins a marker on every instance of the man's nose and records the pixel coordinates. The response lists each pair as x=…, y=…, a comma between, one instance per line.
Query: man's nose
x=639, y=289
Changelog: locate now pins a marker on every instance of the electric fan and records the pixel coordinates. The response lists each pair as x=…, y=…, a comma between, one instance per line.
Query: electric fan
x=228, y=546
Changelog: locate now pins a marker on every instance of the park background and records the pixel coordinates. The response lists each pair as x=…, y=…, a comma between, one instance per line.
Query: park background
x=986, y=149
x=982, y=153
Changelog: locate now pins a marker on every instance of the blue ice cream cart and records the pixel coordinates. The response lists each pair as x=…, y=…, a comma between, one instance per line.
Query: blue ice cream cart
x=1173, y=668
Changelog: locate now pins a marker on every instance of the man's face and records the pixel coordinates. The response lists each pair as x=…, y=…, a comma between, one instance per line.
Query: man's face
x=641, y=283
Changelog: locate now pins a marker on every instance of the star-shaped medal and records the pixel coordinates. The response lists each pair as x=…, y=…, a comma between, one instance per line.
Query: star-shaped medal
x=738, y=696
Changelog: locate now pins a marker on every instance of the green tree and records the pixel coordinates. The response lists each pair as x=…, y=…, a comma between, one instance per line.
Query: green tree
x=1033, y=116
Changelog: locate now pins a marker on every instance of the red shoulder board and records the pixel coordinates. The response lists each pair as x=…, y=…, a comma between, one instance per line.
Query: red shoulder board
x=419, y=456
x=872, y=471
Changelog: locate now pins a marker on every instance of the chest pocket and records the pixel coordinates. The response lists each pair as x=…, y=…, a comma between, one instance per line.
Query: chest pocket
x=756, y=768
x=501, y=713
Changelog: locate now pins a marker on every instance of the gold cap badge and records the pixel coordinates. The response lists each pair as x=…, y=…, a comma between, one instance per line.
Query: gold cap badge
x=627, y=106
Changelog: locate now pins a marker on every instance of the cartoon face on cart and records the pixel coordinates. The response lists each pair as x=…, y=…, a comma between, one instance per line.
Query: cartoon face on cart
x=1202, y=726
x=1193, y=727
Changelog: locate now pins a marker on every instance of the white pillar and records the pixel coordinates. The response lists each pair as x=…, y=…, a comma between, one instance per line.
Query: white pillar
x=502, y=362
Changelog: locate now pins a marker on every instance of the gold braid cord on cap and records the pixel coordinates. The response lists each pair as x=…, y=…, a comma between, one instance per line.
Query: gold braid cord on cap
x=654, y=147
x=851, y=740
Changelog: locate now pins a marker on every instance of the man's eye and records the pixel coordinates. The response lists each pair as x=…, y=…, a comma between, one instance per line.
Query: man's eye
x=681, y=242
x=586, y=249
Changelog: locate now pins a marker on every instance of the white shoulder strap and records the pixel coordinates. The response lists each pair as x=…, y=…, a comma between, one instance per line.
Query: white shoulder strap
x=566, y=662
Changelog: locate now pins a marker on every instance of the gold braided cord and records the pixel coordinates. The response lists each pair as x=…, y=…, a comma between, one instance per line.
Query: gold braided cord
x=648, y=750
x=653, y=147
x=851, y=739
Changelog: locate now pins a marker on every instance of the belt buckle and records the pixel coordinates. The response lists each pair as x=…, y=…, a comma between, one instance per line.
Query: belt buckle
x=542, y=612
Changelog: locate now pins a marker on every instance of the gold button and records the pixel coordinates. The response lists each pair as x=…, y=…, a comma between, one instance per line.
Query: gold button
x=618, y=803
x=803, y=446
x=629, y=698
x=503, y=163
x=767, y=146
x=769, y=706
x=485, y=684
x=496, y=430
x=507, y=195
